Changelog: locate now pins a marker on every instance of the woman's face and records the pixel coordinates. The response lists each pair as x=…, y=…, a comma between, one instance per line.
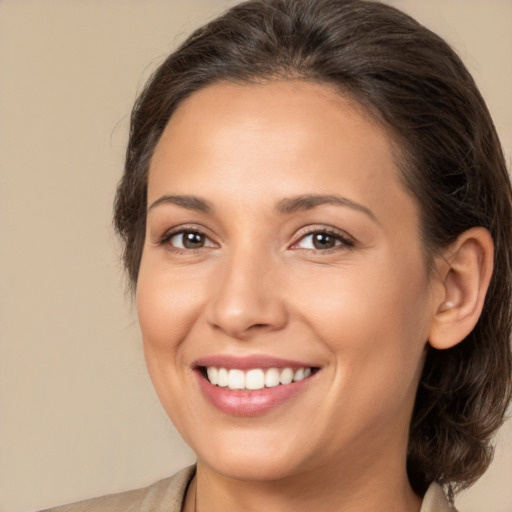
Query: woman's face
x=281, y=244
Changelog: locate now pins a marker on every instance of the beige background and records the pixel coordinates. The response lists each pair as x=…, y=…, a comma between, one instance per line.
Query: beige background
x=78, y=416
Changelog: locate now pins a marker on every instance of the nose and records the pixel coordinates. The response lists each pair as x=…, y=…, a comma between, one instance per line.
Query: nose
x=247, y=297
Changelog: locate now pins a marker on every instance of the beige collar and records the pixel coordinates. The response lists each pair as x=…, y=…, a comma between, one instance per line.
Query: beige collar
x=435, y=500
x=171, y=491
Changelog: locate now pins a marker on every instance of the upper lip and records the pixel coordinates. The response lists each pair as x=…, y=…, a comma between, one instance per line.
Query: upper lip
x=248, y=362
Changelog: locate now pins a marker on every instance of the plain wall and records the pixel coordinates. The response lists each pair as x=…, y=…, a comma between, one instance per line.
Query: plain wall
x=78, y=416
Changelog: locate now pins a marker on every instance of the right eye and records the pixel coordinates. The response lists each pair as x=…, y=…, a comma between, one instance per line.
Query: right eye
x=188, y=240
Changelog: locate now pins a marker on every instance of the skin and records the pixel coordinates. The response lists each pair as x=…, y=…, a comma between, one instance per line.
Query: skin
x=361, y=311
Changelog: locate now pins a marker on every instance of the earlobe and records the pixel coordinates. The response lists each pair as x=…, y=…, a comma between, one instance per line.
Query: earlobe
x=465, y=277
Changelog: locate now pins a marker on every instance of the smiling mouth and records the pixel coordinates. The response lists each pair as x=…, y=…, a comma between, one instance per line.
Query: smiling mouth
x=255, y=378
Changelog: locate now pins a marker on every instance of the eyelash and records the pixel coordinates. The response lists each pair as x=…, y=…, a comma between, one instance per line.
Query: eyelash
x=166, y=238
x=345, y=241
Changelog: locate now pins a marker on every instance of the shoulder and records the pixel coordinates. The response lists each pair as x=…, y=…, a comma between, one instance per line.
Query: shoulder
x=435, y=500
x=163, y=496
x=167, y=496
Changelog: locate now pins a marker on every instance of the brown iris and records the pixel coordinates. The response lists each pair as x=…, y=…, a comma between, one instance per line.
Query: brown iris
x=193, y=240
x=323, y=241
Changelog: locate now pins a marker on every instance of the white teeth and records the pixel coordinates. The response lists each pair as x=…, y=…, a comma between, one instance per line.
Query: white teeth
x=299, y=375
x=286, y=376
x=255, y=378
x=213, y=374
x=272, y=378
x=236, y=379
x=222, y=378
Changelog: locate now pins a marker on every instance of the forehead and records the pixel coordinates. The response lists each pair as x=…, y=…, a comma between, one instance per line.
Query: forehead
x=256, y=142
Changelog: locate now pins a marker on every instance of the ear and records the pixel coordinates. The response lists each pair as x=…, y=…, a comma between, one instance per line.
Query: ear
x=464, y=272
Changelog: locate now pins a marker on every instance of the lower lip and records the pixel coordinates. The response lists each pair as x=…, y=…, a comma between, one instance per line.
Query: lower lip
x=249, y=402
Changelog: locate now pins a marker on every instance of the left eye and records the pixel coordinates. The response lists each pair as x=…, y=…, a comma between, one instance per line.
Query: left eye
x=190, y=240
x=322, y=240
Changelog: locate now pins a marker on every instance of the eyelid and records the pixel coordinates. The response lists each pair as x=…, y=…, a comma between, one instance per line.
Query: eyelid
x=347, y=241
x=184, y=228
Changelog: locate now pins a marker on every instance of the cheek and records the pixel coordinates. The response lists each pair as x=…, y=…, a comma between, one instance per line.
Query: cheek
x=353, y=303
x=374, y=320
x=167, y=309
x=166, y=305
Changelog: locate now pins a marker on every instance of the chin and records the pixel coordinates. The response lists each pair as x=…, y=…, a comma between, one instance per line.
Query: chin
x=256, y=469
x=253, y=455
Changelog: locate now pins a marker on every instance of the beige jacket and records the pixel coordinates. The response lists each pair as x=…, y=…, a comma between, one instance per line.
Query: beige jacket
x=167, y=496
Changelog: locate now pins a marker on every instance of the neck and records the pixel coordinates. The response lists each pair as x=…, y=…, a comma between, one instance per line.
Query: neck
x=368, y=485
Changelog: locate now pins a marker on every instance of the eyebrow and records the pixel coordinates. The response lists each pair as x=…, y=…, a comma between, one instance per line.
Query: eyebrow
x=310, y=201
x=188, y=202
x=285, y=206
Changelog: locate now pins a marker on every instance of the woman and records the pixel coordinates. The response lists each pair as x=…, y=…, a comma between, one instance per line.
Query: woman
x=316, y=216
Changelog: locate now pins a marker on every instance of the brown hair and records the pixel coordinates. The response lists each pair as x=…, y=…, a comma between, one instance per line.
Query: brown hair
x=450, y=157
